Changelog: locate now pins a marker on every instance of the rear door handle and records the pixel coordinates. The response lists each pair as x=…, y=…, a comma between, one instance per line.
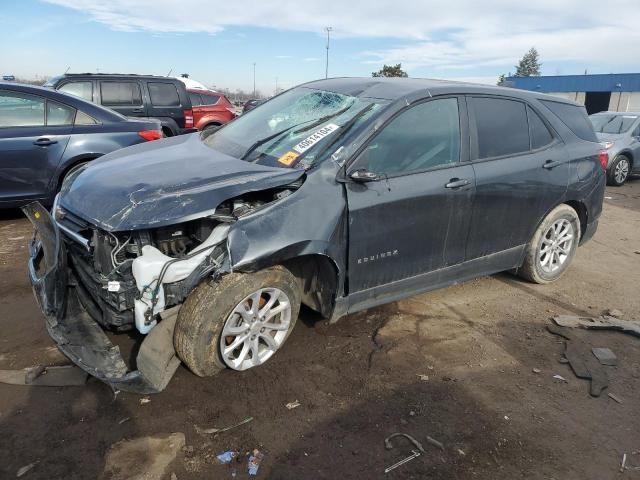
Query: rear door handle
x=457, y=183
x=137, y=110
x=43, y=142
x=549, y=164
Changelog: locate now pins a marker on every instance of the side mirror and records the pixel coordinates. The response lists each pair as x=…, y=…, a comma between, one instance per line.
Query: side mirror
x=363, y=176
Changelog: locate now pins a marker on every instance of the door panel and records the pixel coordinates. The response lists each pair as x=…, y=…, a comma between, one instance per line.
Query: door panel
x=125, y=97
x=408, y=225
x=514, y=191
x=415, y=218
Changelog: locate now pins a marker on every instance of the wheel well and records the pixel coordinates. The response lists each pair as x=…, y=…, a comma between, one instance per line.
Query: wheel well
x=318, y=276
x=73, y=164
x=167, y=132
x=581, y=210
x=629, y=155
x=212, y=124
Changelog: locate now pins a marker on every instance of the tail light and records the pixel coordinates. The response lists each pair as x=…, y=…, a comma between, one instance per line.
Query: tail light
x=149, y=135
x=603, y=158
x=231, y=110
x=188, y=118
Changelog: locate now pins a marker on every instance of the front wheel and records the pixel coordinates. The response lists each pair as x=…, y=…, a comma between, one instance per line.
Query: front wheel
x=618, y=171
x=238, y=322
x=552, y=247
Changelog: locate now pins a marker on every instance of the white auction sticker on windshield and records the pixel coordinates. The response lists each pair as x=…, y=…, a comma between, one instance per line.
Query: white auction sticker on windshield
x=314, y=138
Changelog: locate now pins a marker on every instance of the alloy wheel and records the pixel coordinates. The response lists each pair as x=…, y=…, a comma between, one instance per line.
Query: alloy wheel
x=556, y=245
x=256, y=329
x=621, y=171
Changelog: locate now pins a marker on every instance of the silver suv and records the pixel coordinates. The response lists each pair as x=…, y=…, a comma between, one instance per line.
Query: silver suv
x=619, y=132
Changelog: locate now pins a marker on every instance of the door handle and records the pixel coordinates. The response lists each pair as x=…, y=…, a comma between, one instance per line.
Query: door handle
x=549, y=164
x=457, y=183
x=137, y=110
x=43, y=142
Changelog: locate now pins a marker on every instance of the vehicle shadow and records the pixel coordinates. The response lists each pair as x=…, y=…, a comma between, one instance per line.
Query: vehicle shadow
x=11, y=214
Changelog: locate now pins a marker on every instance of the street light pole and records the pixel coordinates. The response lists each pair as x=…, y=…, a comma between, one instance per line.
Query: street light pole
x=254, y=79
x=326, y=71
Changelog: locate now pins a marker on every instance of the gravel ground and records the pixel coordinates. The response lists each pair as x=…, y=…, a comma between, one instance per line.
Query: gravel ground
x=456, y=364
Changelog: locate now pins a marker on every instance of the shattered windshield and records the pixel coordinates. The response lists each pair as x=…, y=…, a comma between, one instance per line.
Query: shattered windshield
x=293, y=129
x=612, y=123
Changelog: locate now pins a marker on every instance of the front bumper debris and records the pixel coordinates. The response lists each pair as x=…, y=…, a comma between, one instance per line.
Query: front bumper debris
x=73, y=330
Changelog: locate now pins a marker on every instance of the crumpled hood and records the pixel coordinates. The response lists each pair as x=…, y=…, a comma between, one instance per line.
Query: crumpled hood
x=164, y=182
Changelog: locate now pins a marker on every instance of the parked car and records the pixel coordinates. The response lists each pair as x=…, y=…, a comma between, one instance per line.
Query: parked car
x=251, y=104
x=143, y=96
x=9, y=78
x=211, y=110
x=46, y=136
x=340, y=194
x=619, y=132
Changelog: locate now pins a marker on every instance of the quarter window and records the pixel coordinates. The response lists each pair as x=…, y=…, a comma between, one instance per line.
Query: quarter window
x=84, y=119
x=79, y=89
x=210, y=99
x=195, y=99
x=59, y=115
x=21, y=110
x=538, y=131
x=423, y=137
x=501, y=125
x=163, y=94
x=120, y=93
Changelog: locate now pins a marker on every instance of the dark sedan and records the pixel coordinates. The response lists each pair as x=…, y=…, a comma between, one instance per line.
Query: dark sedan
x=46, y=135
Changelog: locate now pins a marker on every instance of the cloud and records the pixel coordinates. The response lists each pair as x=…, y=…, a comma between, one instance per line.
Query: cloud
x=451, y=35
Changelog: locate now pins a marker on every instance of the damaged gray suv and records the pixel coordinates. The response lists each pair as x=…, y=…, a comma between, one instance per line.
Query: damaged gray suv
x=340, y=194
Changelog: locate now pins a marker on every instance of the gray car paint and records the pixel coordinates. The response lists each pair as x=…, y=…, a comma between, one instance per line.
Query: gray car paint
x=627, y=143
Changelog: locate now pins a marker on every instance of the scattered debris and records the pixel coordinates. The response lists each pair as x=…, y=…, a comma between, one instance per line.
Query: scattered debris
x=614, y=398
x=424, y=378
x=14, y=239
x=414, y=453
x=53, y=376
x=292, y=405
x=581, y=360
x=226, y=457
x=605, y=356
x=614, y=312
x=536, y=370
x=461, y=452
x=506, y=417
x=144, y=400
x=147, y=458
x=435, y=443
x=23, y=470
x=125, y=419
x=208, y=431
x=254, y=462
x=412, y=413
x=174, y=476
x=624, y=463
x=600, y=323
x=560, y=377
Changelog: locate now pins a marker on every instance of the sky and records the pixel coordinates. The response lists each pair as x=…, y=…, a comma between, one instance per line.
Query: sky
x=217, y=43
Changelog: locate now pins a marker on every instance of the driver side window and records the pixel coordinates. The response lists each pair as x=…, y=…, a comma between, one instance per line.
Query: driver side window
x=421, y=138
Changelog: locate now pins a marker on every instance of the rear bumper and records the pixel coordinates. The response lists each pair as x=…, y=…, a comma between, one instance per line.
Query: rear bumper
x=73, y=330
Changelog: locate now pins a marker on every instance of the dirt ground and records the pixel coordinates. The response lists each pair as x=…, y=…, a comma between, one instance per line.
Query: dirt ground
x=455, y=364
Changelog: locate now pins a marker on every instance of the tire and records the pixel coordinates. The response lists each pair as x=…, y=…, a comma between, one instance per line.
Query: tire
x=619, y=170
x=542, y=270
x=70, y=173
x=167, y=132
x=198, y=334
x=209, y=129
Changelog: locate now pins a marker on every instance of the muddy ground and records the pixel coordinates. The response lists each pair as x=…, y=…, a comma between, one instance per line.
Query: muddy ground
x=456, y=364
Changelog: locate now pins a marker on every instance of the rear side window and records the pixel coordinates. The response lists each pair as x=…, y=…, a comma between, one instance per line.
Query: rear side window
x=163, y=94
x=84, y=119
x=195, y=99
x=120, y=93
x=21, y=110
x=502, y=126
x=538, y=131
x=210, y=99
x=59, y=115
x=79, y=89
x=575, y=117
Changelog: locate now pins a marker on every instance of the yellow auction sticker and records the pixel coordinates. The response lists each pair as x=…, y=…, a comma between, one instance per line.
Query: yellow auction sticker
x=288, y=158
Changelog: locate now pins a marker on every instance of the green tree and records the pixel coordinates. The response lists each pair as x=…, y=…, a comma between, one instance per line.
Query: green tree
x=390, y=71
x=529, y=65
x=501, y=79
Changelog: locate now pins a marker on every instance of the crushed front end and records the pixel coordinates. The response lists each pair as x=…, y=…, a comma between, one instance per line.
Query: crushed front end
x=88, y=281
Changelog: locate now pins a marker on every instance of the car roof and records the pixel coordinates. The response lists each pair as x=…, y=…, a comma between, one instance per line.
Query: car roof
x=116, y=75
x=394, y=88
x=206, y=92
x=96, y=111
x=631, y=114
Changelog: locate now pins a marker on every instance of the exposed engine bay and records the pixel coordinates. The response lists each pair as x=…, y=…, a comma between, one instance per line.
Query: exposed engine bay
x=126, y=279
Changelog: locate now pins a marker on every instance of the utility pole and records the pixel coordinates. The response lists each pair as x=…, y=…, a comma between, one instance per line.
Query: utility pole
x=254, y=79
x=326, y=71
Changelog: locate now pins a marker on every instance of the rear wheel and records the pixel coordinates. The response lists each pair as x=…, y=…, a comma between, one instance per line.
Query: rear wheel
x=238, y=322
x=552, y=247
x=209, y=129
x=619, y=170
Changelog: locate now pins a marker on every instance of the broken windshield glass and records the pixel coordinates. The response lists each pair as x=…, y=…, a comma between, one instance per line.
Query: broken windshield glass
x=291, y=126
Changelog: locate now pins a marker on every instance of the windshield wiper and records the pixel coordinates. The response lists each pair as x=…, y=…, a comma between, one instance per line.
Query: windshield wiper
x=282, y=132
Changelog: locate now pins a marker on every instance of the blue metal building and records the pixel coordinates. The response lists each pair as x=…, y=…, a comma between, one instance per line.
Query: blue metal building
x=618, y=92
